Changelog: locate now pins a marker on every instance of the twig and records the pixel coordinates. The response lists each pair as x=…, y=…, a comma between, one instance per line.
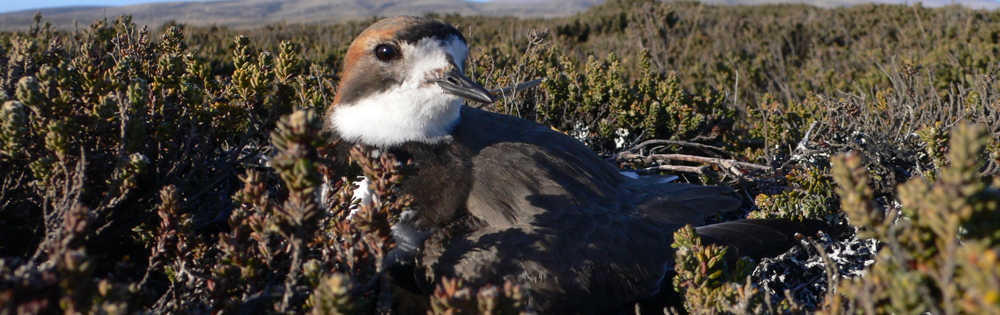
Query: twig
x=518, y=87
x=736, y=90
x=9, y=185
x=72, y=187
x=679, y=168
x=511, y=90
x=291, y=279
x=680, y=143
x=831, y=272
x=729, y=164
x=161, y=306
x=802, y=146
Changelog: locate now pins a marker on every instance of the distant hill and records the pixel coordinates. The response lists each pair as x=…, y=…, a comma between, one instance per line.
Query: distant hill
x=974, y=4
x=250, y=13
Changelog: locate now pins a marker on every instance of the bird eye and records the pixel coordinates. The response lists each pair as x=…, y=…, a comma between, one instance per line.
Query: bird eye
x=386, y=52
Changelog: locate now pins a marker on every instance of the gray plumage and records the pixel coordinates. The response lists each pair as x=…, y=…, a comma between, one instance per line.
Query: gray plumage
x=502, y=198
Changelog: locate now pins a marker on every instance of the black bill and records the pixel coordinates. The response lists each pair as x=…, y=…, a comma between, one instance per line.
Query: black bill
x=455, y=83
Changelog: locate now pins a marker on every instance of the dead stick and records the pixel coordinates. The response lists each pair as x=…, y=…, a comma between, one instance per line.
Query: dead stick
x=727, y=163
x=678, y=168
x=803, y=145
x=680, y=143
x=518, y=87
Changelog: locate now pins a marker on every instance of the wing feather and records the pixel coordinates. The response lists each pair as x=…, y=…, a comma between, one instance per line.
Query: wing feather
x=546, y=211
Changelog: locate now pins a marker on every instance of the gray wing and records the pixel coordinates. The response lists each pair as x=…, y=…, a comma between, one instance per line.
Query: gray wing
x=549, y=213
x=759, y=238
x=575, y=253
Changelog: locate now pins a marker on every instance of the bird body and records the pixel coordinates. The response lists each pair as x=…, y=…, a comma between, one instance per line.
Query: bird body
x=498, y=197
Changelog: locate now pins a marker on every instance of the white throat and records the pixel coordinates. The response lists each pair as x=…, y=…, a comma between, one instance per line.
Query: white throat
x=398, y=116
x=415, y=110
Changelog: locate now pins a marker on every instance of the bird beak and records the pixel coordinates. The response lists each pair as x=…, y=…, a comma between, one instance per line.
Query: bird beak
x=456, y=83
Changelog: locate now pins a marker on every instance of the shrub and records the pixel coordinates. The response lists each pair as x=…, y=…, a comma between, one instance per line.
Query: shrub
x=175, y=170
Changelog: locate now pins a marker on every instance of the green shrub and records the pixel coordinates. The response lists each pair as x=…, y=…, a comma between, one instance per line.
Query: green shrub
x=152, y=171
x=939, y=251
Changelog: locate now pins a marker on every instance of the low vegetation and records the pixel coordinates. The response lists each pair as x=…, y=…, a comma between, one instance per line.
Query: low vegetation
x=176, y=169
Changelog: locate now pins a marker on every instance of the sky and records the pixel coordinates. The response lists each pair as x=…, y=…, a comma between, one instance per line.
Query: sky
x=18, y=5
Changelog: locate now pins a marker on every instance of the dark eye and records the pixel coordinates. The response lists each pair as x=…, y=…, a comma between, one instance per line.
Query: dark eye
x=386, y=52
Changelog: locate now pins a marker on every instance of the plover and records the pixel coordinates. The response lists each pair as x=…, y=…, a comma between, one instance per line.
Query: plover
x=502, y=198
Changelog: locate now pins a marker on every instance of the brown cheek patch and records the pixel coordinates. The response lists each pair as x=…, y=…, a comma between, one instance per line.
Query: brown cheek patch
x=351, y=60
x=336, y=100
x=362, y=45
x=382, y=34
x=356, y=54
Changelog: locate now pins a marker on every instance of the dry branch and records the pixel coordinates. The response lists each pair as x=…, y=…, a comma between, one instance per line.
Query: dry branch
x=679, y=143
x=679, y=168
x=729, y=165
x=519, y=87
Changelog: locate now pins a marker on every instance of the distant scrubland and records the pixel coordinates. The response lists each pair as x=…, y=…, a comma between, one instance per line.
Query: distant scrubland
x=175, y=168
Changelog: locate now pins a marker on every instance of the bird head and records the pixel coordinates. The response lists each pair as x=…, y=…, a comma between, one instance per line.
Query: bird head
x=403, y=81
